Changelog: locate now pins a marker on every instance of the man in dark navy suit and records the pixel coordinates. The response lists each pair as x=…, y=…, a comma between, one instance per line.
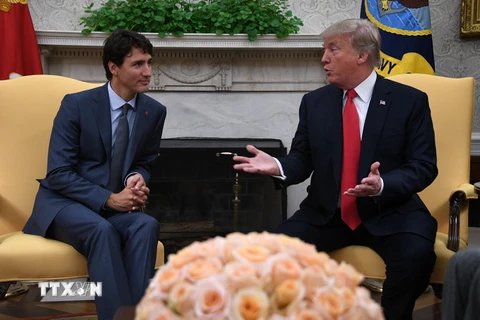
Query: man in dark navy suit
x=349, y=131
x=101, y=151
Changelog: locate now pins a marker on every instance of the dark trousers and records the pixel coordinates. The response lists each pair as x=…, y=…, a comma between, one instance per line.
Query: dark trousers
x=409, y=259
x=461, y=289
x=120, y=249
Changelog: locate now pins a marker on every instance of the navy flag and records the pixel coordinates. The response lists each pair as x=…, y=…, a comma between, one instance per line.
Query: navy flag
x=406, y=34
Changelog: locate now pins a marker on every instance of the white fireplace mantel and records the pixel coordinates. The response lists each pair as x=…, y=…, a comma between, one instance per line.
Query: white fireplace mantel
x=198, y=62
x=188, y=41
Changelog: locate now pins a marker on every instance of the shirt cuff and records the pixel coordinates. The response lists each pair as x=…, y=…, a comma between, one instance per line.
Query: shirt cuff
x=282, y=175
x=128, y=176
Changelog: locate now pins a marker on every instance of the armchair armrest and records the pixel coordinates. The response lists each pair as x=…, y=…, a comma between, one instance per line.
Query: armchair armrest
x=463, y=192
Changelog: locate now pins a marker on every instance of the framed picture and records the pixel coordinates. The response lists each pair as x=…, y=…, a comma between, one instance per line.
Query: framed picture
x=470, y=19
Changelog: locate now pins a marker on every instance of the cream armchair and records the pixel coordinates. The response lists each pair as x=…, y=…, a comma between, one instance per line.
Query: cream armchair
x=27, y=108
x=451, y=103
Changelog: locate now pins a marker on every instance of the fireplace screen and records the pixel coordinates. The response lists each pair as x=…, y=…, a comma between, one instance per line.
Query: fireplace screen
x=196, y=194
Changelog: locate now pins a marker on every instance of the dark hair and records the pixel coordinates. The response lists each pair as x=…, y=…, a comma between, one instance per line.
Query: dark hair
x=119, y=44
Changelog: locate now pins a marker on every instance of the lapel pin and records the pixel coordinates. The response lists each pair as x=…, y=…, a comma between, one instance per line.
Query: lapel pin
x=382, y=102
x=146, y=113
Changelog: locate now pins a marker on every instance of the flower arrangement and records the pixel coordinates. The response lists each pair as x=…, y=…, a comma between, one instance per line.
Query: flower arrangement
x=256, y=276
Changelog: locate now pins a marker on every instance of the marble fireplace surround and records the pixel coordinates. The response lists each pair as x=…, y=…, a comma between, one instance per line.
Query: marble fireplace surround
x=212, y=86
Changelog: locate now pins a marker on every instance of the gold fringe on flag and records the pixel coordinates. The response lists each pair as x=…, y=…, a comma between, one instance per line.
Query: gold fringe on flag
x=5, y=5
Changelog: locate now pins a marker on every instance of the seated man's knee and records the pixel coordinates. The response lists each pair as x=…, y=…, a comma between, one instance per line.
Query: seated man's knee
x=105, y=229
x=421, y=257
x=104, y=233
x=414, y=259
x=147, y=224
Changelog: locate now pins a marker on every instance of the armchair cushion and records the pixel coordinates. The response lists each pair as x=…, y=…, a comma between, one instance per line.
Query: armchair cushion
x=29, y=257
x=369, y=263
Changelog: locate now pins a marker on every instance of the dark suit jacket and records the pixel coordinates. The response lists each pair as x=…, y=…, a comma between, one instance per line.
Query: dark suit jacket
x=398, y=133
x=79, y=153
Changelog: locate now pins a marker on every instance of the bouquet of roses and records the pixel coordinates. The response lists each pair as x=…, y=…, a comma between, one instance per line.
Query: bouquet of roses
x=255, y=276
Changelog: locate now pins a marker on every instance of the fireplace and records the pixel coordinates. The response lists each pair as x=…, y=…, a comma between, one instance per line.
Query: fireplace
x=196, y=194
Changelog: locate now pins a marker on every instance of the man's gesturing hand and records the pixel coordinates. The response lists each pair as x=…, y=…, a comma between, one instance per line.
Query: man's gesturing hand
x=369, y=186
x=261, y=163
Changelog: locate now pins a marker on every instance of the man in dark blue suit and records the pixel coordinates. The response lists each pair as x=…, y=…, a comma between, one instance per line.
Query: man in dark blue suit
x=348, y=131
x=99, y=162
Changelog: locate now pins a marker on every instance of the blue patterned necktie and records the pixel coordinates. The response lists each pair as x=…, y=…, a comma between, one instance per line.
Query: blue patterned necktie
x=115, y=183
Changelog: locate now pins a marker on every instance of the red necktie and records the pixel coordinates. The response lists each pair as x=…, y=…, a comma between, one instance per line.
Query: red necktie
x=351, y=156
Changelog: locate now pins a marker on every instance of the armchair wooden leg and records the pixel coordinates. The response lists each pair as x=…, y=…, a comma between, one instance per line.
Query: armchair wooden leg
x=437, y=290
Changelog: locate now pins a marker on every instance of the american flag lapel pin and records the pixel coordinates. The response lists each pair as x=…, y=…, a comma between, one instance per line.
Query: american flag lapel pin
x=146, y=113
x=382, y=102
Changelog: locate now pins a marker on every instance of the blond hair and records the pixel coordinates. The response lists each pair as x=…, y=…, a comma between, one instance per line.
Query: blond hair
x=363, y=35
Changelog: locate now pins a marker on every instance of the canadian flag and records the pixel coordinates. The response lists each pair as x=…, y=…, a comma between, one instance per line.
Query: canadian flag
x=19, y=54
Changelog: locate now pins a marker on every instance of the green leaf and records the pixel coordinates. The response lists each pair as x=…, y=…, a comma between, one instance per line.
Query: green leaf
x=160, y=19
x=176, y=17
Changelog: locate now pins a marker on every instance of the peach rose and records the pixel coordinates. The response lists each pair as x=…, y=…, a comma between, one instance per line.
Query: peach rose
x=256, y=255
x=292, y=245
x=211, y=248
x=153, y=308
x=240, y=275
x=249, y=304
x=310, y=314
x=314, y=277
x=183, y=256
x=329, y=301
x=163, y=281
x=265, y=239
x=279, y=268
x=373, y=310
x=346, y=276
x=366, y=312
x=348, y=296
x=287, y=295
x=180, y=298
x=203, y=268
x=211, y=299
x=313, y=258
x=233, y=241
